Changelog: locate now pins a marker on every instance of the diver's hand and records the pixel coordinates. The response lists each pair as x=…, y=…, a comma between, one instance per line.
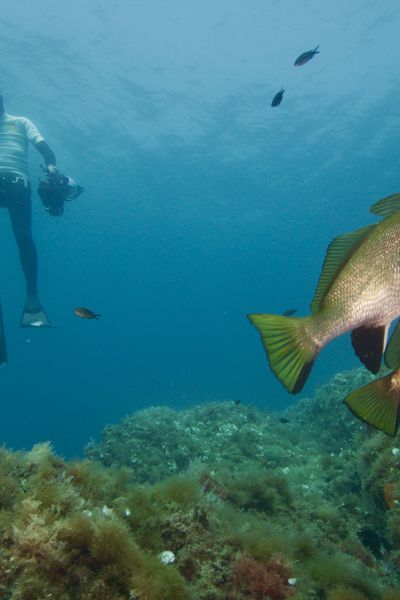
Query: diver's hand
x=52, y=170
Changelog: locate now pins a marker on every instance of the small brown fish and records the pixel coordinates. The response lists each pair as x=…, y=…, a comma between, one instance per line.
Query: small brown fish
x=305, y=57
x=86, y=313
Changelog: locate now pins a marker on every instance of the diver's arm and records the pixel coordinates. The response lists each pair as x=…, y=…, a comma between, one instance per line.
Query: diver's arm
x=47, y=153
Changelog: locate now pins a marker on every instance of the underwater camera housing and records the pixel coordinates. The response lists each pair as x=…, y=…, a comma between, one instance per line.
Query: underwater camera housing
x=55, y=190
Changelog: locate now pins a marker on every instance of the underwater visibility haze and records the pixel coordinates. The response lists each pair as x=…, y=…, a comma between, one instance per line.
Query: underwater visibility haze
x=202, y=203
x=148, y=452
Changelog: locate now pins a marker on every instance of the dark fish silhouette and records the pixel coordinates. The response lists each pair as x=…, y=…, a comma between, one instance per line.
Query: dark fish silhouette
x=284, y=420
x=305, y=57
x=86, y=313
x=289, y=312
x=277, y=99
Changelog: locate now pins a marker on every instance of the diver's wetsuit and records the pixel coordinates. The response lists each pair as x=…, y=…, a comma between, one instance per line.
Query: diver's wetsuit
x=15, y=195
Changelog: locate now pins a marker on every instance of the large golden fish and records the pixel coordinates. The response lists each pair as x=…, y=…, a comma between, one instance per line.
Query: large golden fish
x=358, y=291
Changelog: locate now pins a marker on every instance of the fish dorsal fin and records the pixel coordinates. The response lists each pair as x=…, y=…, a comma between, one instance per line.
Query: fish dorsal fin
x=338, y=253
x=387, y=206
x=392, y=352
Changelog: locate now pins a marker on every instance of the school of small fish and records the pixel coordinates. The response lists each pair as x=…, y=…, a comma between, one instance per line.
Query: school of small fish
x=300, y=60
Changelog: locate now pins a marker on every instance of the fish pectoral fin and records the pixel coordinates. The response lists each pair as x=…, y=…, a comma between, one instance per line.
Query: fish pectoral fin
x=377, y=404
x=392, y=352
x=369, y=343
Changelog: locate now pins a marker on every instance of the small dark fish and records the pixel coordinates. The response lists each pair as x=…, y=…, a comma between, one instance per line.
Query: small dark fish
x=237, y=402
x=284, y=420
x=289, y=312
x=277, y=99
x=305, y=57
x=86, y=313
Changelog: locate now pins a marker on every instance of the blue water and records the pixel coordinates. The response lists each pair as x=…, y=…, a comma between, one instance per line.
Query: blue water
x=201, y=203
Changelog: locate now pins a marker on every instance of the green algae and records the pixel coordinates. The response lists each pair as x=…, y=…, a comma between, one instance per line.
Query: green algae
x=259, y=491
x=299, y=487
x=228, y=489
x=329, y=570
x=345, y=593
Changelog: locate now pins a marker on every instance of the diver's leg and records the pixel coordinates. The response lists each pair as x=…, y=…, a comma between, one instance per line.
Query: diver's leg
x=20, y=209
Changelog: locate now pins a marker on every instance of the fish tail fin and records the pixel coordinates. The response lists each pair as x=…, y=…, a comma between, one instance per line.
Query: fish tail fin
x=316, y=50
x=291, y=351
x=378, y=403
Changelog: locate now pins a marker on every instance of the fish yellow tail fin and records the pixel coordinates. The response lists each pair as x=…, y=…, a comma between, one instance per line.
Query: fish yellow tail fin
x=377, y=403
x=290, y=350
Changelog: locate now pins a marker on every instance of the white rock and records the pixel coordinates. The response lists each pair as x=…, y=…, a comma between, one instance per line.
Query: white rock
x=395, y=451
x=167, y=557
x=292, y=581
x=107, y=512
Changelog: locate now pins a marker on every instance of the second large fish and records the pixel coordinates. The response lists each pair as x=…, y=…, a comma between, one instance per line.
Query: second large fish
x=358, y=291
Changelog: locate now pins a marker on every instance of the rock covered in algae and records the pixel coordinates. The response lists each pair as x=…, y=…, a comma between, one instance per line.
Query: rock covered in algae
x=246, y=503
x=159, y=441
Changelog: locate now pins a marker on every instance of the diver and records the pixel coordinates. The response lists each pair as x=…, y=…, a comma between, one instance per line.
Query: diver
x=15, y=195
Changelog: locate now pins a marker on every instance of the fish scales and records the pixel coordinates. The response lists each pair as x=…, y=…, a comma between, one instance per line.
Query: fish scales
x=367, y=290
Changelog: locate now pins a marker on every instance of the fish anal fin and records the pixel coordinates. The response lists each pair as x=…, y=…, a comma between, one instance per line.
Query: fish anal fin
x=377, y=403
x=369, y=343
x=338, y=253
x=392, y=352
